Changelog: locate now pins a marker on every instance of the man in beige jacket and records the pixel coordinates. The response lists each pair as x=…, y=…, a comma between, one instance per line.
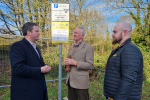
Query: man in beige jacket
x=82, y=59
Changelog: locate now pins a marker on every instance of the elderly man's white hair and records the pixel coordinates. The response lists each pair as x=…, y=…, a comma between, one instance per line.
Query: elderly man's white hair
x=83, y=29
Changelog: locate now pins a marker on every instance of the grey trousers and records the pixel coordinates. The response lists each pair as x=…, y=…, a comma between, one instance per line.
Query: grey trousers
x=77, y=94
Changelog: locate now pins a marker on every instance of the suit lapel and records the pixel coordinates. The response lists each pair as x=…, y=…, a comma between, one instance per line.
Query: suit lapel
x=80, y=46
x=32, y=49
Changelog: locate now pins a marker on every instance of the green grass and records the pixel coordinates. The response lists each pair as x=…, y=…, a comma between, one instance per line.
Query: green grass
x=95, y=90
x=146, y=91
x=4, y=79
x=5, y=93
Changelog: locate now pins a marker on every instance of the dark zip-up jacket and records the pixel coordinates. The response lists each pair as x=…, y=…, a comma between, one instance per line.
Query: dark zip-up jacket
x=124, y=73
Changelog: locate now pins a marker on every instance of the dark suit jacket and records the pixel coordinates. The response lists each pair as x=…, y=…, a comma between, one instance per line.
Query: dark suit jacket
x=27, y=82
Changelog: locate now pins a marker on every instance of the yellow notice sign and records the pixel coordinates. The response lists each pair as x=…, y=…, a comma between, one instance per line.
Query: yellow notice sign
x=60, y=32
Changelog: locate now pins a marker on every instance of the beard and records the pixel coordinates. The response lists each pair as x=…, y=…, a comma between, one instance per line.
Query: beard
x=117, y=40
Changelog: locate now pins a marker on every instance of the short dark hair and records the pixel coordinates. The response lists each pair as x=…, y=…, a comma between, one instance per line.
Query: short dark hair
x=28, y=26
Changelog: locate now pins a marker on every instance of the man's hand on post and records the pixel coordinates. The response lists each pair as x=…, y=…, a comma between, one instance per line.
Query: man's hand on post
x=45, y=69
x=70, y=61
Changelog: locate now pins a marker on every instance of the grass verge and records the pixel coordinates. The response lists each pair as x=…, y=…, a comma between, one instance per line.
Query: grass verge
x=95, y=90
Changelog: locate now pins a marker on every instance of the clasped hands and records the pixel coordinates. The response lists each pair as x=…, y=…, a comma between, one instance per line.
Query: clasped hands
x=70, y=61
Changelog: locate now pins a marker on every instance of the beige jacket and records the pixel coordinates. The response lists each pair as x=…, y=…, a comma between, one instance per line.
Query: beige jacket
x=79, y=75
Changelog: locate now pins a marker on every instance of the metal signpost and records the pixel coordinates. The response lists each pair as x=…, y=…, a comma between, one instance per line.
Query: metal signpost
x=60, y=32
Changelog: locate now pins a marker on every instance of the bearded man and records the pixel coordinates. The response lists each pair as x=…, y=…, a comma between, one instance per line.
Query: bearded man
x=124, y=70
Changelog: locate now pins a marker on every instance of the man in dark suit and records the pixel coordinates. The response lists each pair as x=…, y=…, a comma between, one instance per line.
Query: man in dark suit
x=28, y=68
